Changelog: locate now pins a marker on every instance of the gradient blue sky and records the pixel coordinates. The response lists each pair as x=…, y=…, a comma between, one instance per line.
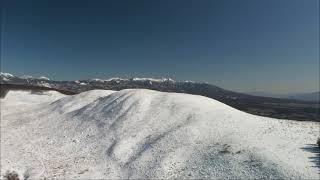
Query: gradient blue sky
x=247, y=45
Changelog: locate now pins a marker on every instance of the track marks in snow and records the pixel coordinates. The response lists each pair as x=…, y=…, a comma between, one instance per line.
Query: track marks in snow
x=149, y=134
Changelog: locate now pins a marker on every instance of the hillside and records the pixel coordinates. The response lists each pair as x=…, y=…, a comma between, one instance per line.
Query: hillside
x=149, y=134
x=263, y=106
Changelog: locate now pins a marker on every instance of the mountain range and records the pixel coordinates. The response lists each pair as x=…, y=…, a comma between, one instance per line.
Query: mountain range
x=263, y=106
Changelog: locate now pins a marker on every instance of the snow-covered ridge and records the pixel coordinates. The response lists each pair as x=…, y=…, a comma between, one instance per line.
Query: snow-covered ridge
x=8, y=76
x=147, y=134
x=44, y=78
x=116, y=79
x=3, y=74
x=134, y=79
x=31, y=77
x=154, y=80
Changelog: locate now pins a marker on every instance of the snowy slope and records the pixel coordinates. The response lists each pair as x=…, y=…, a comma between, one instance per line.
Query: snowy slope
x=20, y=101
x=264, y=106
x=149, y=134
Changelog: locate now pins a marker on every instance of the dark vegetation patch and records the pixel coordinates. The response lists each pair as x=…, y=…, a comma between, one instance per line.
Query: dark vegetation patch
x=11, y=175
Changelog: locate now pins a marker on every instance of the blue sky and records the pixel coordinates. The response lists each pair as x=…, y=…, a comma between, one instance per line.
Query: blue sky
x=247, y=45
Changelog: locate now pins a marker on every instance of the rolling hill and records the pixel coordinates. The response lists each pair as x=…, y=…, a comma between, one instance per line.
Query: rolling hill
x=263, y=106
x=139, y=133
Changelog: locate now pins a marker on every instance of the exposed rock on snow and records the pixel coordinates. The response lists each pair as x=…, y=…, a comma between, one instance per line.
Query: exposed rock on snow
x=148, y=134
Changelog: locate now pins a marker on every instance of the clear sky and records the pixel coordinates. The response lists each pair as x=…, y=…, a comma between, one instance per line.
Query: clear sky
x=242, y=45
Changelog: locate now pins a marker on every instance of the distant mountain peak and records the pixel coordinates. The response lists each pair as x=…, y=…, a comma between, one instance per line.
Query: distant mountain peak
x=44, y=78
x=134, y=79
x=153, y=79
x=6, y=74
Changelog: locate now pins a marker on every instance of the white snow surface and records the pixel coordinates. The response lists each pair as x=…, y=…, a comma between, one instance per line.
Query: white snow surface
x=153, y=80
x=44, y=78
x=7, y=76
x=117, y=79
x=98, y=80
x=103, y=134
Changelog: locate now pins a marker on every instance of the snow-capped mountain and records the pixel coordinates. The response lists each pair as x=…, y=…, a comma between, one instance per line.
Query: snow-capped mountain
x=265, y=106
x=7, y=77
x=3, y=74
x=44, y=78
x=146, y=134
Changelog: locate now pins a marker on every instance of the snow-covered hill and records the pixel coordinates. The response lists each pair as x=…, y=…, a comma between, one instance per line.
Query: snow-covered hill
x=149, y=134
x=264, y=106
x=7, y=77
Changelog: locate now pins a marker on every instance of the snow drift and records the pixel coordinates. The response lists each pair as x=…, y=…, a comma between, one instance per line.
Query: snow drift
x=149, y=134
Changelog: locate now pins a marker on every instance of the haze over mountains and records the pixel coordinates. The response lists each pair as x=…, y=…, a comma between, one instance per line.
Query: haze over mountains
x=313, y=96
x=265, y=106
x=308, y=96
